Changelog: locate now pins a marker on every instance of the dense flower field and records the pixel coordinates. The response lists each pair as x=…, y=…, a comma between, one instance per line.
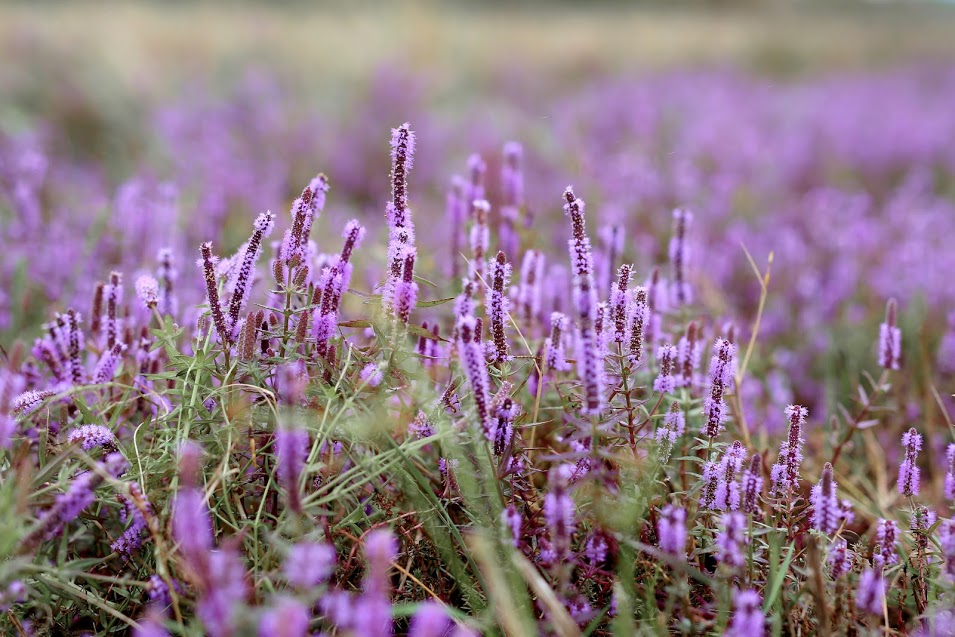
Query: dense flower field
x=454, y=399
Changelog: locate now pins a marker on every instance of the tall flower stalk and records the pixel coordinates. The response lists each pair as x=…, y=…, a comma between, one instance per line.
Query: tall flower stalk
x=589, y=363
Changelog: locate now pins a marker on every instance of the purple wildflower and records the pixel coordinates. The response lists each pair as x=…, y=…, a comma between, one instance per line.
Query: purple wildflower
x=611, y=247
x=688, y=356
x=49, y=350
x=114, y=297
x=602, y=329
x=826, y=512
x=512, y=187
x=371, y=375
x=748, y=619
x=158, y=590
x=262, y=228
x=108, y=363
x=147, y=289
x=619, y=305
x=885, y=553
x=512, y=181
x=559, y=510
x=479, y=238
x=731, y=540
x=309, y=564
x=472, y=359
x=839, y=559
x=401, y=228
x=785, y=471
x=421, y=427
x=75, y=347
x=151, y=625
x=402, y=161
x=333, y=282
x=192, y=526
x=68, y=506
x=679, y=257
x=504, y=426
x=464, y=303
x=287, y=617
x=909, y=471
x=406, y=288
x=208, y=264
x=223, y=587
x=135, y=509
x=304, y=211
x=554, y=359
x=950, y=472
x=890, y=339
x=166, y=275
x=291, y=381
x=529, y=289
x=665, y=382
x=96, y=311
x=512, y=519
x=8, y=427
x=871, y=592
x=92, y=436
x=291, y=450
x=656, y=306
x=430, y=620
x=13, y=593
x=191, y=522
x=373, y=611
x=923, y=519
x=712, y=474
x=726, y=496
x=639, y=321
x=589, y=363
x=596, y=548
x=29, y=401
x=946, y=540
x=672, y=429
x=477, y=169
x=498, y=305
x=671, y=530
x=721, y=376
x=752, y=485
x=945, y=355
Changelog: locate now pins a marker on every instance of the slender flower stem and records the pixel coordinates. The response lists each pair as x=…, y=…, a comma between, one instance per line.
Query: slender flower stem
x=880, y=388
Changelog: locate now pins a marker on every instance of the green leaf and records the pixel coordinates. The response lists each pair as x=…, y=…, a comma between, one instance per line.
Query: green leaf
x=779, y=576
x=434, y=303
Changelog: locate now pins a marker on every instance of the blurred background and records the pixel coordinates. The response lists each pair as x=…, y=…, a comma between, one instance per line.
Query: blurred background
x=98, y=67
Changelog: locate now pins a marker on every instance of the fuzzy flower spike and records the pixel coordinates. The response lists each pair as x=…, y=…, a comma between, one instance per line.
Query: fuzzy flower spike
x=825, y=506
x=909, y=471
x=332, y=285
x=208, y=265
x=401, y=227
x=890, y=338
x=721, y=377
x=589, y=362
x=499, y=305
x=262, y=228
x=679, y=256
x=785, y=472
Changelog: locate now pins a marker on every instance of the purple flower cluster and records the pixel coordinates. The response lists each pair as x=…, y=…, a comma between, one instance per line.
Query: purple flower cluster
x=909, y=471
x=329, y=415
